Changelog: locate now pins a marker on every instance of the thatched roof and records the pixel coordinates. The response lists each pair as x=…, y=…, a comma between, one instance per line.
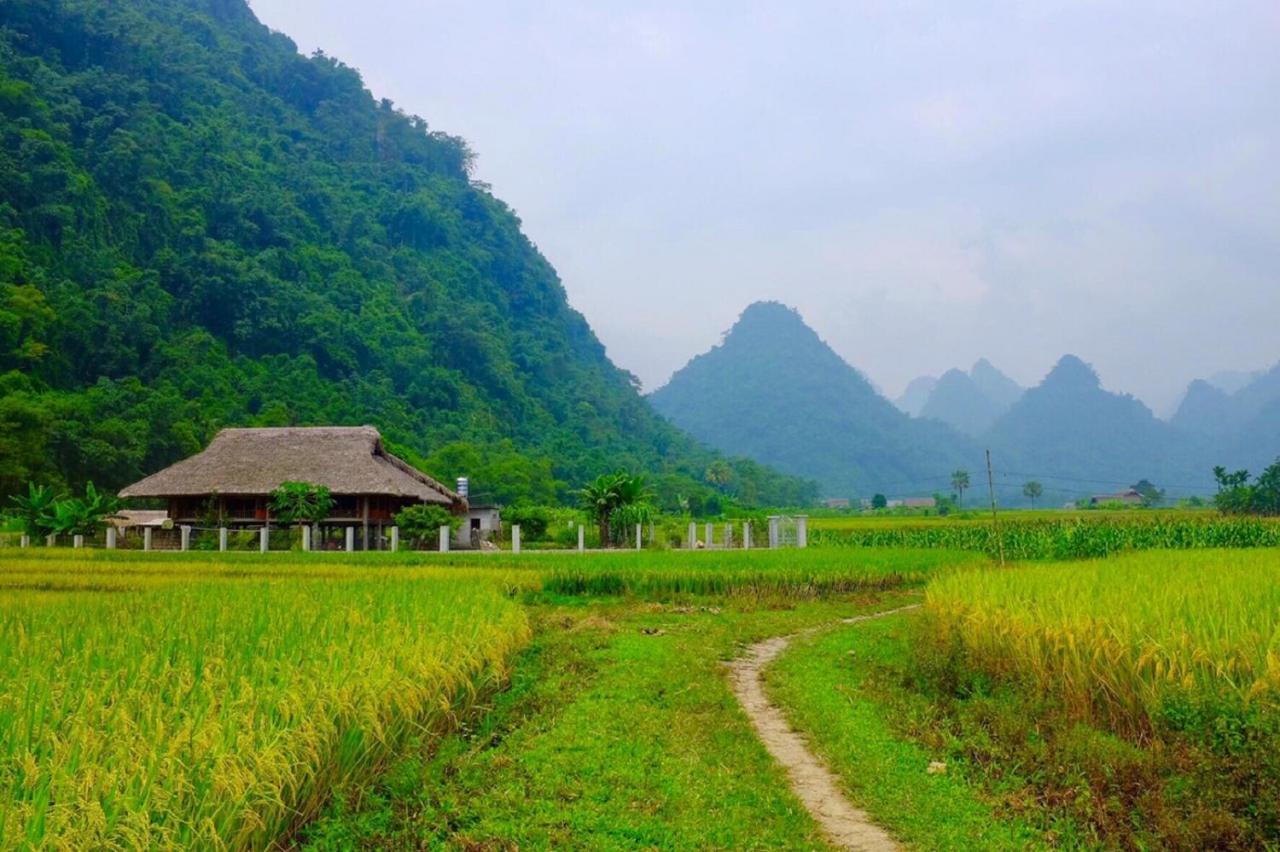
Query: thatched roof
x=344, y=459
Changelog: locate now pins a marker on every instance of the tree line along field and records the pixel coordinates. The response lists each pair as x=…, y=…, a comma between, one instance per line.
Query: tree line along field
x=461, y=700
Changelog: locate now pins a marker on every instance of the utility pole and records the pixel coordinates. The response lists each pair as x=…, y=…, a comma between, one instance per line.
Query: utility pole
x=995, y=519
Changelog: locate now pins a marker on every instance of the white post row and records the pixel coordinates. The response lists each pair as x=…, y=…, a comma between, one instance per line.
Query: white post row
x=395, y=539
x=639, y=543
x=77, y=541
x=184, y=532
x=711, y=536
x=444, y=539
x=306, y=538
x=146, y=538
x=351, y=539
x=692, y=543
x=582, y=539
x=111, y=537
x=515, y=538
x=264, y=539
x=802, y=531
x=728, y=536
x=25, y=541
x=222, y=539
x=746, y=535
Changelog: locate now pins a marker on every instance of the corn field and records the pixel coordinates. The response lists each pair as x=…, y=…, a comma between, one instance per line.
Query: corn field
x=1072, y=537
x=217, y=705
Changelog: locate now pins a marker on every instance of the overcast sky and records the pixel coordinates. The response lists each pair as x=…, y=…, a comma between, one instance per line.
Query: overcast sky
x=927, y=184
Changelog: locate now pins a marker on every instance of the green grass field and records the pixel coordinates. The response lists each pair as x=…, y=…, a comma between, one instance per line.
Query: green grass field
x=552, y=700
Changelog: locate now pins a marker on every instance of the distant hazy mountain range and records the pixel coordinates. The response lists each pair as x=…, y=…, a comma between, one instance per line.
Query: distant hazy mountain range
x=773, y=390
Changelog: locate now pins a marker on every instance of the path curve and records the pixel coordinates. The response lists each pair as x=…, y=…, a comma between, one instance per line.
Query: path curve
x=814, y=784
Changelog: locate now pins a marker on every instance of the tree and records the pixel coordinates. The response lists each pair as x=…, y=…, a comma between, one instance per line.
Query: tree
x=1033, y=491
x=301, y=502
x=1151, y=496
x=81, y=515
x=607, y=493
x=959, y=482
x=421, y=522
x=1235, y=495
x=35, y=509
x=879, y=501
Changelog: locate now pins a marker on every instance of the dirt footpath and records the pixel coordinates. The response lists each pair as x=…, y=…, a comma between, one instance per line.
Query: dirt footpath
x=814, y=784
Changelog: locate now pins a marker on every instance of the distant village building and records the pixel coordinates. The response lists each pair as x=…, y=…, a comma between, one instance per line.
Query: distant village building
x=919, y=503
x=230, y=482
x=836, y=502
x=1130, y=497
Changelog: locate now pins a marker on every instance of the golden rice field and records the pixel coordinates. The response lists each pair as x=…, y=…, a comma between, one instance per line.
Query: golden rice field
x=1134, y=642
x=217, y=704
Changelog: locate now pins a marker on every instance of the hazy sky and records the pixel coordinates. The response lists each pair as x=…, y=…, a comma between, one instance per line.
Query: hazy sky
x=927, y=184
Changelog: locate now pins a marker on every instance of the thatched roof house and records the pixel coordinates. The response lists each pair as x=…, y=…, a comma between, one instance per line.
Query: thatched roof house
x=235, y=475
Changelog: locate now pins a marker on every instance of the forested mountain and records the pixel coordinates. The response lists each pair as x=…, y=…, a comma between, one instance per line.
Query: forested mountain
x=773, y=390
x=200, y=227
x=1069, y=429
x=916, y=394
x=971, y=401
x=1245, y=422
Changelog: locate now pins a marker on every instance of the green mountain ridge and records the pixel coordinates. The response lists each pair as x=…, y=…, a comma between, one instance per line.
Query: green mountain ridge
x=200, y=227
x=774, y=391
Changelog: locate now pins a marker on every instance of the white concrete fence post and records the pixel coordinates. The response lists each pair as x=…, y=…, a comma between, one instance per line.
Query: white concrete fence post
x=25, y=541
x=773, y=531
x=351, y=539
x=802, y=531
x=711, y=535
x=395, y=539
x=444, y=539
x=582, y=539
x=515, y=538
x=222, y=539
x=77, y=541
x=264, y=539
x=111, y=537
x=51, y=540
x=306, y=539
x=728, y=536
x=692, y=543
x=146, y=538
x=746, y=535
x=184, y=532
x=639, y=536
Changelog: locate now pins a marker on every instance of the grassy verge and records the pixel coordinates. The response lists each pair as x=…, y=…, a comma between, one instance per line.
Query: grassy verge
x=619, y=731
x=840, y=688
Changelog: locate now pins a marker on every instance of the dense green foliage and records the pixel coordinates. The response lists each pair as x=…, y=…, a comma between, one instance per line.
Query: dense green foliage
x=301, y=502
x=199, y=228
x=42, y=511
x=1237, y=496
x=421, y=523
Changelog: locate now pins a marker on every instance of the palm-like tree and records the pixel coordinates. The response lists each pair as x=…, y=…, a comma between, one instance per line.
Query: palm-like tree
x=609, y=492
x=959, y=482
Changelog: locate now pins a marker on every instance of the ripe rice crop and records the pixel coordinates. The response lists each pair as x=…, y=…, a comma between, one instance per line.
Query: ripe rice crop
x=1185, y=641
x=202, y=704
x=1075, y=536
